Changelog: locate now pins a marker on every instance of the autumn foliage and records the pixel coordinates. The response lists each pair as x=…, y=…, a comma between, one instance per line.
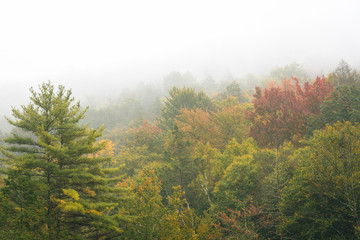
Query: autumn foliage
x=281, y=112
x=283, y=166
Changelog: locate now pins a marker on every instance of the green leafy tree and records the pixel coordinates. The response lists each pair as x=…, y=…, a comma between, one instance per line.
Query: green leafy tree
x=322, y=201
x=208, y=161
x=231, y=121
x=241, y=180
x=134, y=159
x=180, y=220
x=157, y=217
x=78, y=198
x=146, y=205
x=343, y=105
x=182, y=169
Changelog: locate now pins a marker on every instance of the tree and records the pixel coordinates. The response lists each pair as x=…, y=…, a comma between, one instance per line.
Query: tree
x=344, y=75
x=279, y=114
x=146, y=134
x=197, y=126
x=233, y=89
x=322, y=201
x=245, y=223
x=240, y=181
x=180, y=221
x=344, y=105
x=293, y=70
x=147, y=206
x=315, y=93
x=21, y=207
x=182, y=98
x=208, y=161
x=282, y=112
x=231, y=121
x=80, y=201
x=178, y=154
x=156, y=217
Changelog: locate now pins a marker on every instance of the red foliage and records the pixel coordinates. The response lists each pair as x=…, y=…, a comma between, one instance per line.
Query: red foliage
x=315, y=93
x=281, y=111
x=244, y=223
x=145, y=134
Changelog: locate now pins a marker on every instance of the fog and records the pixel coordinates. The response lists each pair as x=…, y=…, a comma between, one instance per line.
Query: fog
x=99, y=48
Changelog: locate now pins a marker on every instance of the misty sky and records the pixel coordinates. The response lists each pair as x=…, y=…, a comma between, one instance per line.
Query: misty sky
x=93, y=46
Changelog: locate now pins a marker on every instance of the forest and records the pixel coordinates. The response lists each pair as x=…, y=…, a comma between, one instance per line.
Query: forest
x=276, y=158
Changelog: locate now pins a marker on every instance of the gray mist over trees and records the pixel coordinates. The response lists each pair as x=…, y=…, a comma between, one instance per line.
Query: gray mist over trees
x=117, y=50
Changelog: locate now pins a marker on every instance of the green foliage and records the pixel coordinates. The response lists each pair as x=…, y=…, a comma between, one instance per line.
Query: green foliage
x=321, y=202
x=135, y=159
x=177, y=154
x=22, y=208
x=180, y=222
x=193, y=174
x=147, y=206
x=343, y=105
x=231, y=121
x=182, y=98
x=155, y=217
x=240, y=180
x=58, y=159
x=208, y=161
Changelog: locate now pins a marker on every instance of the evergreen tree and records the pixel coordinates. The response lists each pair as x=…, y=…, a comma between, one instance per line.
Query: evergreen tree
x=78, y=199
x=182, y=98
x=344, y=75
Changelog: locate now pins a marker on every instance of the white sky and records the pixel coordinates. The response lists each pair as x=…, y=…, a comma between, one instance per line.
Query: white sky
x=93, y=46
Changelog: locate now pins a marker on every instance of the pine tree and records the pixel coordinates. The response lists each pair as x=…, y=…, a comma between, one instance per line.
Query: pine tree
x=58, y=156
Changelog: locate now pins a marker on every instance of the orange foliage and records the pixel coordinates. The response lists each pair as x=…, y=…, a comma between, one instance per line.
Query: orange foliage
x=197, y=126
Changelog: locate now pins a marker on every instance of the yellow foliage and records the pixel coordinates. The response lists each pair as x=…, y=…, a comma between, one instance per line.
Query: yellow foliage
x=108, y=209
x=73, y=207
x=71, y=193
x=92, y=211
x=107, y=151
x=57, y=201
